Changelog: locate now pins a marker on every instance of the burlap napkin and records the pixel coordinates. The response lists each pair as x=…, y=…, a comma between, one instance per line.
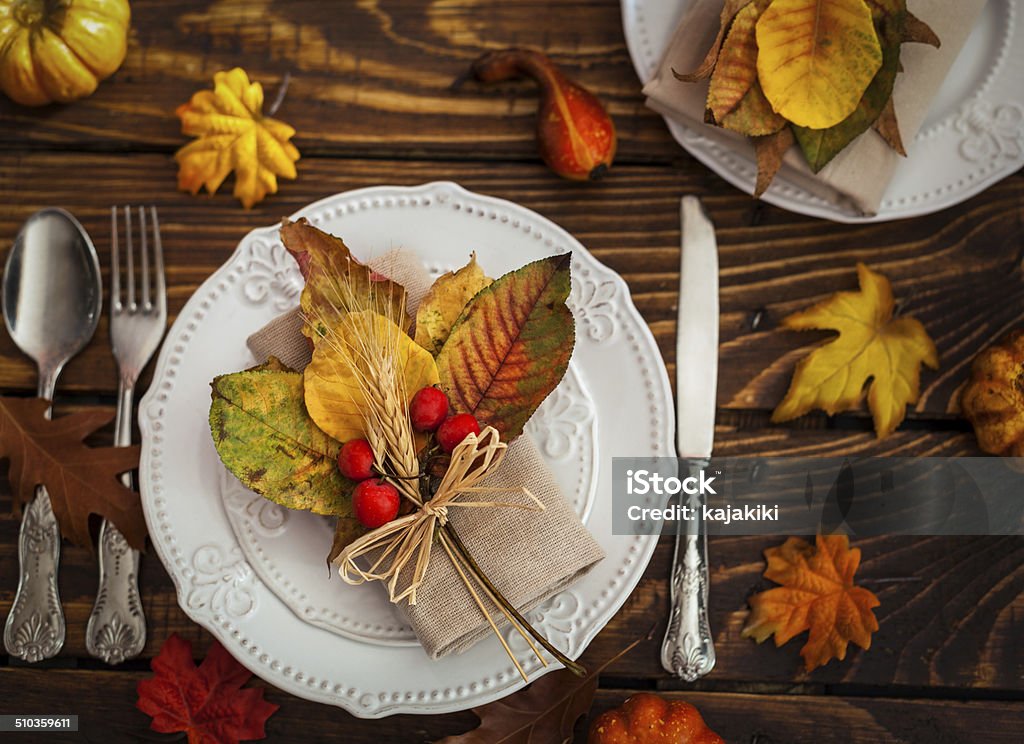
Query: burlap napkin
x=530, y=556
x=860, y=174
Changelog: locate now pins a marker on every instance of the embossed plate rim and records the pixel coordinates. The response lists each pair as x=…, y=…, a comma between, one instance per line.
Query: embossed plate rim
x=216, y=586
x=648, y=25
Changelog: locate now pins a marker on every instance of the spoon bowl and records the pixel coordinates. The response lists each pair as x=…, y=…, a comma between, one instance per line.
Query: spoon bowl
x=52, y=291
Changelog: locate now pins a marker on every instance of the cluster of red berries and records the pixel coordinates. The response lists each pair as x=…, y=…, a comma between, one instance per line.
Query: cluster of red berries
x=374, y=500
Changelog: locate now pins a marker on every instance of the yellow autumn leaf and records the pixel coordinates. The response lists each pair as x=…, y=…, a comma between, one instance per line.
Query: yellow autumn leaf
x=872, y=345
x=336, y=380
x=445, y=302
x=233, y=135
x=816, y=58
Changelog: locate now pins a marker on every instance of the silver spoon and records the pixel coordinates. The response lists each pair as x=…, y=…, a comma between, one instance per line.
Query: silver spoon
x=52, y=294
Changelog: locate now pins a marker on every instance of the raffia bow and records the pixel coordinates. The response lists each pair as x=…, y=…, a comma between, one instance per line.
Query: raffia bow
x=407, y=541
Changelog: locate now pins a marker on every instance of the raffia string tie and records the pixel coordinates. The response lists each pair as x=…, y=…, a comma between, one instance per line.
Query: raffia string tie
x=407, y=541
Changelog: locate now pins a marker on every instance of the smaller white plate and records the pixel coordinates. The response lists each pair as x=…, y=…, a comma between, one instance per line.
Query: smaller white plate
x=287, y=548
x=973, y=135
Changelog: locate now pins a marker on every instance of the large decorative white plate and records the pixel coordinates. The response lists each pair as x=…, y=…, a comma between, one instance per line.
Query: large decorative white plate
x=972, y=137
x=616, y=359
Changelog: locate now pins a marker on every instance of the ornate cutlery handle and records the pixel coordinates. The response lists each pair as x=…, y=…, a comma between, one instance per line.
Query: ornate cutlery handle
x=35, y=627
x=117, y=626
x=688, y=650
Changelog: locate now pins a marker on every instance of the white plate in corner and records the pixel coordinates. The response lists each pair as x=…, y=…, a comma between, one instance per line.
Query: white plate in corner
x=617, y=361
x=972, y=137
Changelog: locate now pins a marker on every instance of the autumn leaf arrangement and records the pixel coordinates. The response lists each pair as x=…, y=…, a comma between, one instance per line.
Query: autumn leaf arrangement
x=396, y=420
x=815, y=72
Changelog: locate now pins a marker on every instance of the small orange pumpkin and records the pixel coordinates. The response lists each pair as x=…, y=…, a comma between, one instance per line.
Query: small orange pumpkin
x=993, y=399
x=60, y=50
x=650, y=719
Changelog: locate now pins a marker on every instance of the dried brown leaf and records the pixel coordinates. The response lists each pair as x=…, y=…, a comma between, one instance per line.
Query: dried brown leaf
x=729, y=11
x=545, y=712
x=81, y=480
x=769, y=151
x=917, y=31
x=889, y=129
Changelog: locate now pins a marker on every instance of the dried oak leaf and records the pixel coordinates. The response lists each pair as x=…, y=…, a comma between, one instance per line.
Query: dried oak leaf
x=817, y=594
x=81, y=480
x=545, y=712
x=872, y=346
x=233, y=135
x=511, y=347
x=205, y=702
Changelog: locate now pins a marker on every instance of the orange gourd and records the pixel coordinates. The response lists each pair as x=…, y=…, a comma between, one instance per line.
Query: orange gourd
x=60, y=50
x=650, y=719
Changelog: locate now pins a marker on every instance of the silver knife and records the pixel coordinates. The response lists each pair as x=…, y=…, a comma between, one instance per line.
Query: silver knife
x=688, y=651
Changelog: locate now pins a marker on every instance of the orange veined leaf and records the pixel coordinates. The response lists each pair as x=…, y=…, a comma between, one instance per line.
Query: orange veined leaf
x=817, y=594
x=736, y=69
x=234, y=136
x=816, y=58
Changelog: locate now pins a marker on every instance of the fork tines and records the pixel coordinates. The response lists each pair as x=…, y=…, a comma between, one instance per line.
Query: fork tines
x=151, y=286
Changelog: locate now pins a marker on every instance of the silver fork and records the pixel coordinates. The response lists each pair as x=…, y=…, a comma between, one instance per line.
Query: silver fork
x=117, y=626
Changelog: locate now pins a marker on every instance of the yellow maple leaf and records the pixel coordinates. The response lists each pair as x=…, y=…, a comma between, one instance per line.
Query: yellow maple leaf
x=233, y=135
x=816, y=58
x=338, y=378
x=445, y=302
x=817, y=594
x=872, y=345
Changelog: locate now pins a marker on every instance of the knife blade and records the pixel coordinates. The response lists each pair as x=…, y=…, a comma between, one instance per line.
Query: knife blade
x=688, y=650
x=697, y=334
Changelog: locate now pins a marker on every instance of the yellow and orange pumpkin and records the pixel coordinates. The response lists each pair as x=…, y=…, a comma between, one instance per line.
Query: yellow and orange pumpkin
x=60, y=50
x=993, y=399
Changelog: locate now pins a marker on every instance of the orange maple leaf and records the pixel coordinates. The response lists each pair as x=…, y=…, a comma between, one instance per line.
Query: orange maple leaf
x=817, y=594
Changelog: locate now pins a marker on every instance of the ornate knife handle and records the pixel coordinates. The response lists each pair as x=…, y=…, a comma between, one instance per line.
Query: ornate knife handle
x=117, y=626
x=35, y=627
x=688, y=651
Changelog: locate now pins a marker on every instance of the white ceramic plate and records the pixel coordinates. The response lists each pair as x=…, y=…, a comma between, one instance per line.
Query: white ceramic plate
x=972, y=137
x=616, y=360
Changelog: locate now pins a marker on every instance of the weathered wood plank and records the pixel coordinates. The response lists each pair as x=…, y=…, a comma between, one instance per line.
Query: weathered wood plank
x=366, y=78
x=951, y=616
x=959, y=271
x=105, y=703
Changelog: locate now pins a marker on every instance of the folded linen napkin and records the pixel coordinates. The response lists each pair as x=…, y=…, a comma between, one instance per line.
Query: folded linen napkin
x=860, y=174
x=530, y=556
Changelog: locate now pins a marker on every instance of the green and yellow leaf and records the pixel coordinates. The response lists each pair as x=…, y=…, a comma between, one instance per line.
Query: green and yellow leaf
x=337, y=379
x=873, y=349
x=266, y=438
x=511, y=347
x=816, y=58
x=445, y=302
x=821, y=145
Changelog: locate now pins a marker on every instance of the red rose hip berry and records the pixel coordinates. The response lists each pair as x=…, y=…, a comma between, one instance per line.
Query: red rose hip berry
x=355, y=459
x=375, y=503
x=453, y=430
x=428, y=409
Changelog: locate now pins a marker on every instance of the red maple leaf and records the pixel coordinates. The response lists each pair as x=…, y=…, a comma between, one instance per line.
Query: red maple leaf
x=207, y=701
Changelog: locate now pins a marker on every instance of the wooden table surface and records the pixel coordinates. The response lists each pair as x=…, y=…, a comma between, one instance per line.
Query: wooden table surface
x=370, y=99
